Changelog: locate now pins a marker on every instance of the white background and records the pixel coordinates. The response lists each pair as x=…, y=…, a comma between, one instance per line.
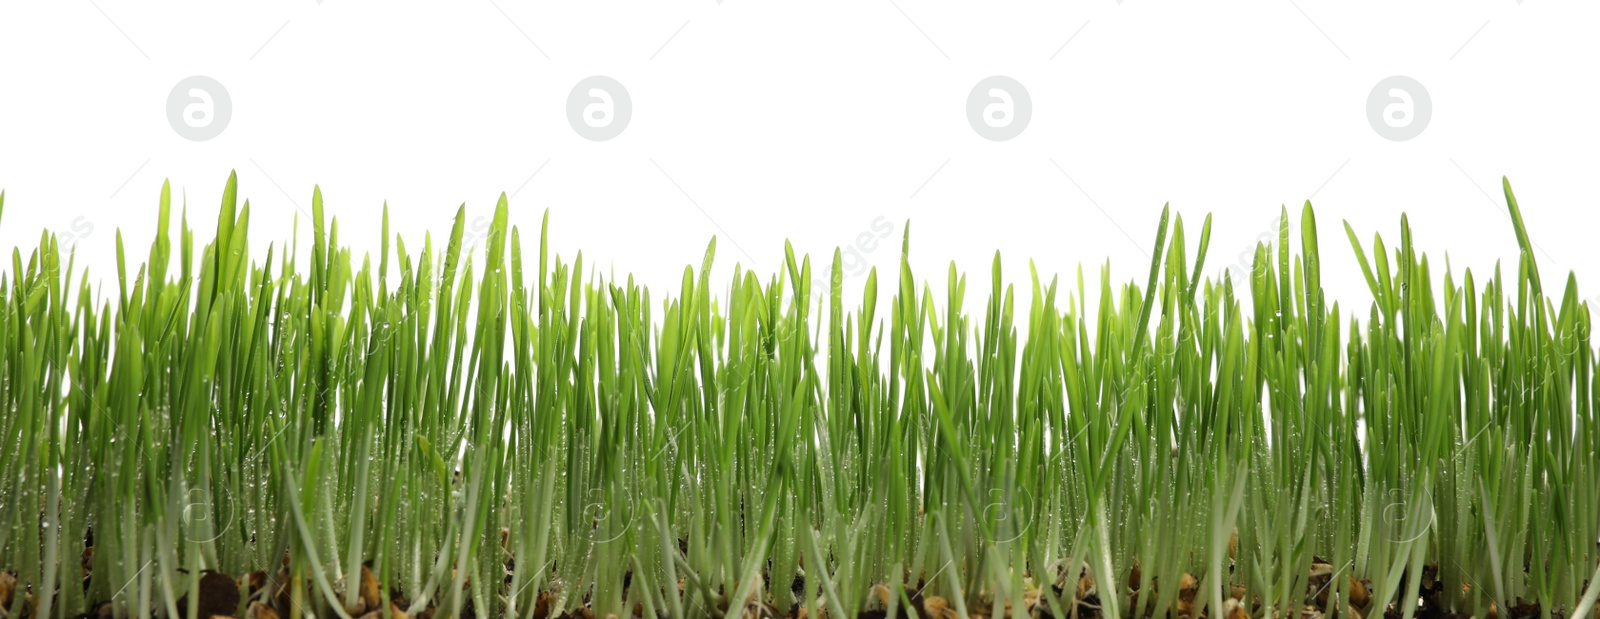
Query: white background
x=764, y=121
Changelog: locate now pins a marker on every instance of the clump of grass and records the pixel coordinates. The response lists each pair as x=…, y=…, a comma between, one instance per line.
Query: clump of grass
x=428, y=437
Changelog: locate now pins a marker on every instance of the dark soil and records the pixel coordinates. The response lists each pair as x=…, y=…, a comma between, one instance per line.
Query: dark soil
x=221, y=596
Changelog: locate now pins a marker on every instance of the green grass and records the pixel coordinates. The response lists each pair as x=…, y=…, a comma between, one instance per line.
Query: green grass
x=691, y=454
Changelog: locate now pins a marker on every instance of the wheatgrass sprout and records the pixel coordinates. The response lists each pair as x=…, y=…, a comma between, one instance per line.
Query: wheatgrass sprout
x=414, y=434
